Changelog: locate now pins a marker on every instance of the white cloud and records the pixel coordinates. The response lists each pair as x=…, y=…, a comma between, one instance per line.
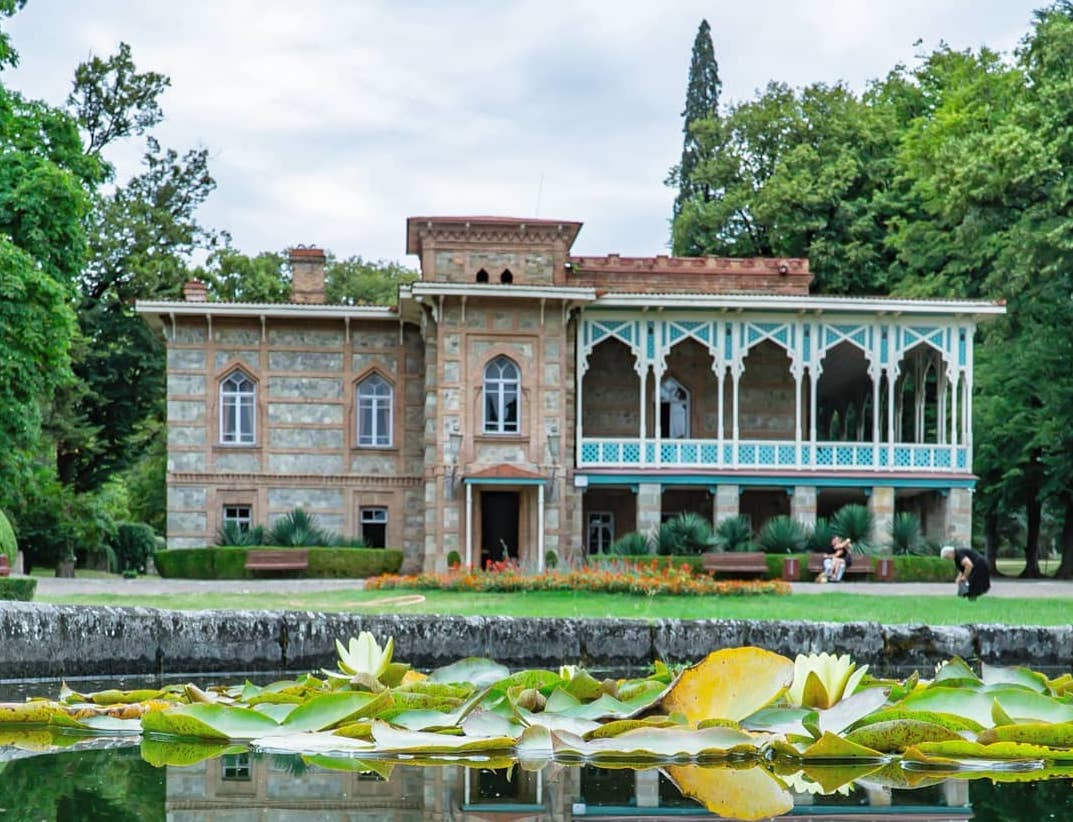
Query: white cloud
x=332, y=121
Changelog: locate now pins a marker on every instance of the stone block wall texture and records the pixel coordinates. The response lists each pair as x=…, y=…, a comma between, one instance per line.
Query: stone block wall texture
x=727, y=503
x=766, y=395
x=611, y=398
x=803, y=505
x=958, y=520
x=649, y=506
x=881, y=504
x=58, y=640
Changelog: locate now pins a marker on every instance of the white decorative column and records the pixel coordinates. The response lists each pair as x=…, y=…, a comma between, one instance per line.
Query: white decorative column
x=469, y=525
x=797, y=375
x=540, y=528
x=803, y=505
x=881, y=504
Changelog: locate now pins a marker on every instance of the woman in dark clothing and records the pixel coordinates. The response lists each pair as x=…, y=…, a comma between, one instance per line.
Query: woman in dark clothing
x=839, y=558
x=972, y=567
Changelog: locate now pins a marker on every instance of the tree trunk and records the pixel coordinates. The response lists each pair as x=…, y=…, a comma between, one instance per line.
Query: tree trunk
x=991, y=540
x=1033, y=514
x=1065, y=569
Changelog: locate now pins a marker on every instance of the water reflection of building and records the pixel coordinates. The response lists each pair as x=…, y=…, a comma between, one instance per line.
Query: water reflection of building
x=243, y=788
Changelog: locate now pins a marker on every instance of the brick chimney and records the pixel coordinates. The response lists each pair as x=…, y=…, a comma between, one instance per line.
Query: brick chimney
x=307, y=275
x=195, y=291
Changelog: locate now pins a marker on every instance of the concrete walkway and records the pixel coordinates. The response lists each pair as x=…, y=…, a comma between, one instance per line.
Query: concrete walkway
x=154, y=586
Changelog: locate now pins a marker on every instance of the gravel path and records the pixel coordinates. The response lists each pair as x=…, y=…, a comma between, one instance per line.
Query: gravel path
x=152, y=586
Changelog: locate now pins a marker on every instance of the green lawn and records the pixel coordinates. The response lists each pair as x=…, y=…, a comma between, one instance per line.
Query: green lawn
x=829, y=606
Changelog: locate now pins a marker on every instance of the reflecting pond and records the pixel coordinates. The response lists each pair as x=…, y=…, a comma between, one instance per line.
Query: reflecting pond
x=108, y=779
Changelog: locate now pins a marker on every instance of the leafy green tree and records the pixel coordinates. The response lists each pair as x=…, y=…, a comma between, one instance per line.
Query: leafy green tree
x=235, y=277
x=702, y=103
x=356, y=281
x=8, y=55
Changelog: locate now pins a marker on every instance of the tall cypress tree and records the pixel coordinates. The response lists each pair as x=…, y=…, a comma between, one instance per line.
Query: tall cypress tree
x=702, y=102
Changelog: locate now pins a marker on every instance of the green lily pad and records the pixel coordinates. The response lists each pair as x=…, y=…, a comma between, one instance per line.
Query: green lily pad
x=159, y=752
x=327, y=710
x=350, y=764
x=962, y=750
x=656, y=744
x=1026, y=706
x=897, y=735
x=951, y=721
x=834, y=747
x=845, y=713
x=1023, y=677
x=394, y=740
x=38, y=712
x=734, y=794
x=620, y=726
x=278, y=711
x=209, y=722
x=1058, y=735
x=956, y=672
x=782, y=720
x=475, y=670
x=313, y=742
x=962, y=702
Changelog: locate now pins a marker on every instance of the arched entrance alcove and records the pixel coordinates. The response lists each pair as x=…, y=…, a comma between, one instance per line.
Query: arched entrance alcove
x=766, y=403
x=844, y=396
x=612, y=392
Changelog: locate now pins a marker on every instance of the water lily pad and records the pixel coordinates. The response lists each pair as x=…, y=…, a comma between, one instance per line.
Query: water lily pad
x=582, y=685
x=488, y=723
x=782, y=720
x=310, y=743
x=736, y=794
x=611, y=729
x=956, y=672
x=655, y=744
x=850, y=710
x=38, y=712
x=209, y=722
x=961, y=750
x=951, y=721
x=158, y=752
x=1026, y=706
x=556, y=722
x=327, y=710
x=834, y=747
x=394, y=740
x=835, y=778
x=958, y=701
x=730, y=684
x=475, y=670
x=1024, y=677
x=1058, y=735
x=897, y=735
x=350, y=764
x=278, y=711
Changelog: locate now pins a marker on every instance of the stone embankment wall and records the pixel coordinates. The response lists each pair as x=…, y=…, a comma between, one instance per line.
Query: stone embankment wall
x=53, y=641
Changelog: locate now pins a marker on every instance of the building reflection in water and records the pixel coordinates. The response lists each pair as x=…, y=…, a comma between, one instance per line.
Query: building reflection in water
x=248, y=788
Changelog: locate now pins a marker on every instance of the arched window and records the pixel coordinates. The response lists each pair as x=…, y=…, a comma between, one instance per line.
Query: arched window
x=673, y=410
x=506, y=277
x=501, y=388
x=238, y=403
x=375, y=400
x=482, y=276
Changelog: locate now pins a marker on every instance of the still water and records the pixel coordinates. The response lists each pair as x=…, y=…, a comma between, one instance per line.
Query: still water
x=114, y=782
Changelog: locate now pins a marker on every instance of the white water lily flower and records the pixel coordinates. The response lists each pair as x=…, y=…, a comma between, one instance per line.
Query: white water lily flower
x=822, y=680
x=567, y=671
x=364, y=655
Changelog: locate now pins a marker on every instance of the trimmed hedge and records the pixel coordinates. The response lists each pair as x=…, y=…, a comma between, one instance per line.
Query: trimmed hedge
x=230, y=562
x=21, y=588
x=906, y=569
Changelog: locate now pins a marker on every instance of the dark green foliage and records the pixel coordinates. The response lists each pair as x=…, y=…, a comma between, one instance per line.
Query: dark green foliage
x=733, y=534
x=685, y=533
x=230, y=562
x=633, y=544
x=854, y=522
x=702, y=103
x=819, y=538
x=355, y=281
x=454, y=559
x=905, y=535
x=298, y=529
x=9, y=546
x=782, y=535
x=133, y=544
x=20, y=588
x=231, y=534
x=551, y=560
x=694, y=561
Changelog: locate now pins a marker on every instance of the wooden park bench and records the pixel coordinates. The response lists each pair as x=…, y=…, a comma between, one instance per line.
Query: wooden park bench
x=291, y=559
x=735, y=562
x=5, y=566
x=862, y=566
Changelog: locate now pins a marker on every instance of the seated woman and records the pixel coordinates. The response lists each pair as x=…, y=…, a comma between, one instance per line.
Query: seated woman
x=971, y=567
x=840, y=557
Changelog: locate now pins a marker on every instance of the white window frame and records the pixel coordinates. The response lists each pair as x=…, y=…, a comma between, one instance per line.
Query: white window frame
x=243, y=521
x=373, y=515
x=244, y=402
x=599, y=521
x=376, y=403
x=686, y=404
x=497, y=387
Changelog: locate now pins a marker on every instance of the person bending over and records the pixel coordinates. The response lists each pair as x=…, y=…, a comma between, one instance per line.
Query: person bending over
x=974, y=574
x=839, y=558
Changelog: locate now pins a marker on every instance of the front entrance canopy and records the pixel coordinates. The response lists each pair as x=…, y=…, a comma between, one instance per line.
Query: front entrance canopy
x=505, y=475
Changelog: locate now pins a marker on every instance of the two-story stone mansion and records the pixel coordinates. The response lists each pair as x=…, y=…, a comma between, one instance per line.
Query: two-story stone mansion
x=520, y=400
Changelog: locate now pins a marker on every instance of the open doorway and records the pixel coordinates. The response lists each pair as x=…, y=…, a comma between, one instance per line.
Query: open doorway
x=499, y=526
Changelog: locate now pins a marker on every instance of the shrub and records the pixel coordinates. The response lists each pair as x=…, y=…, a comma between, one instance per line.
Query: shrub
x=454, y=559
x=733, y=534
x=299, y=529
x=9, y=547
x=905, y=535
x=819, y=538
x=20, y=588
x=231, y=533
x=551, y=560
x=633, y=544
x=230, y=562
x=133, y=543
x=782, y=535
x=685, y=533
x=854, y=522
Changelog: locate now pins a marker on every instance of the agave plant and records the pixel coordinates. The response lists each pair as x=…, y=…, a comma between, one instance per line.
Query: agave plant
x=819, y=538
x=298, y=529
x=230, y=533
x=634, y=544
x=733, y=534
x=685, y=533
x=782, y=535
x=905, y=534
x=854, y=522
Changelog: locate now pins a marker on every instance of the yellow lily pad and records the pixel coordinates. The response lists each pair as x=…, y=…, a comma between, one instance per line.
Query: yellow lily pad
x=736, y=794
x=730, y=684
x=1058, y=735
x=830, y=746
x=962, y=749
x=897, y=735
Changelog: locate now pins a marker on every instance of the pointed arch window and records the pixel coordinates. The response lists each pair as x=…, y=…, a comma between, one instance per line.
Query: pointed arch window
x=238, y=404
x=674, y=409
x=502, y=385
x=376, y=400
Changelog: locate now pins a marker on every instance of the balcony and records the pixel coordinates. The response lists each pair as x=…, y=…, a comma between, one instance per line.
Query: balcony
x=780, y=455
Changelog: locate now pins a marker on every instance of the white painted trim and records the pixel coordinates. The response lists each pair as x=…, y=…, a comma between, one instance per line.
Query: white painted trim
x=540, y=528
x=268, y=311
x=469, y=526
x=497, y=290
x=781, y=303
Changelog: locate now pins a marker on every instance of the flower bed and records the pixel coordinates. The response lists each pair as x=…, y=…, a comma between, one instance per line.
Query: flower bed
x=641, y=578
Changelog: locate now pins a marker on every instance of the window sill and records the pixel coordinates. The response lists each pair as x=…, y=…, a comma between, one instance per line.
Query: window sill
x=487, y=437
x=237, y=446
x=376, y=449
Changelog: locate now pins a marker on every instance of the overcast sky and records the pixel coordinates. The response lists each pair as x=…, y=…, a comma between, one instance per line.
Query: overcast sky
x=331, y=121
